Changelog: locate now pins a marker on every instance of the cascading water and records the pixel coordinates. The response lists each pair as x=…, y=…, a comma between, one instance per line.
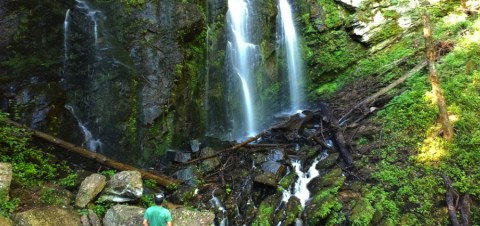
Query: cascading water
x=300, y=189
x=89, y=142
x=288, y=39
x=242, y=57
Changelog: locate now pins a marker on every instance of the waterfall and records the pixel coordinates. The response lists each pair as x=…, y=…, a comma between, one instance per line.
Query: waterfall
x=288, y=37
x=242, y=55
x=89, y=142
x=65, y=36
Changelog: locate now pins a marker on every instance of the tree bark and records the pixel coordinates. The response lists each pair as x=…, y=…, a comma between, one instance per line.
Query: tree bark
x=433, y=77
x=160, y=179
x=465, y=209
x=341, y=142
x=449, y=199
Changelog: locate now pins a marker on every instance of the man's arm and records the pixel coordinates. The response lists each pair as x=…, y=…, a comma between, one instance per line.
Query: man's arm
x=169, y=223
x=145, y=222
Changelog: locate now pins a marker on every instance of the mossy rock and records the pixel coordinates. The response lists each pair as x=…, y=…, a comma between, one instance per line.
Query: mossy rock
x=287, y=180
x=320, y=208
x=362, y=213
x=288, y=212
x=328, y=162
x=293, y=211
x=266, y=211
x=333, y=179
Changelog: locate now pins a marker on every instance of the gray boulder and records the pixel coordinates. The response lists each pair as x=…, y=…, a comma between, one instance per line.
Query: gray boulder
x=211, y=163
x=124, y=215
x=5, y=180
x=47, y=216
x=185, y=217
x=90, y=187
x=124, y=187
x=90, y=219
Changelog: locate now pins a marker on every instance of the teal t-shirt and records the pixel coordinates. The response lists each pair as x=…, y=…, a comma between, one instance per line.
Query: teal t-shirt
x=157, y=216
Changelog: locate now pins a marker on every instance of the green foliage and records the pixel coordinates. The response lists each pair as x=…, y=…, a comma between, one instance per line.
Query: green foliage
x=108, y=173
x=362, y=213
x=101, y=207
x=147, y=201
x=264, y=215
x=327, y=89
x=134, y=3
x=69, y=180
x=30, y=165
x=149, y=183
x=406, y=187
x=334, y=15
x=8, y=206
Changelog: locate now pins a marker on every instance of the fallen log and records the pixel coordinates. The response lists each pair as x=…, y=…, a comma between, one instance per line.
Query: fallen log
x=449, y=199
x=341, y=142
x=233, y=148
x=384, y=90
x=160, y=179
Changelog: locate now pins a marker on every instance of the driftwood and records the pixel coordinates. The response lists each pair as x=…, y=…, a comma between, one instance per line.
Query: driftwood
x=450, y=200
x=160, y=179
x=384, y=90
x=340, y=139
x=233, y=148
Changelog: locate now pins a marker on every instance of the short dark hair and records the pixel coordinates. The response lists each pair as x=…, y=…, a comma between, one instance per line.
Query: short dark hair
x=159, y=198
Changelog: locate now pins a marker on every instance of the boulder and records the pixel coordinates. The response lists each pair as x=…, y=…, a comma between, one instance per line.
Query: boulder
x=124, y=187
x=289, y=212
x=89, y=189
x=5, y=180
x=187, y=217
x=328, y=162
x=271, y=173
x=362, y=212
x=333, y=179
x=90, y=219
x=124, y=215
x=55, y=195
x=211, y=163
x=47, y=216
x=5, y=221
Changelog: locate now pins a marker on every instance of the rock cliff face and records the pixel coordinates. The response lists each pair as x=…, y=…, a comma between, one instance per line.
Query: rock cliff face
x=119, y=70
x=131, y=80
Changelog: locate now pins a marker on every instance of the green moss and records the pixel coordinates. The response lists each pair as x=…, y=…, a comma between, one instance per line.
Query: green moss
x=326, y=207
x=387, y=31
x=362, y=213
x=264, y=216
x=288, y=180
x=333, y=14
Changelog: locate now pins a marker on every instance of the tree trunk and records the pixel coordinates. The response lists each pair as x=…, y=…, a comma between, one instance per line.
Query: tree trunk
x=433, y=77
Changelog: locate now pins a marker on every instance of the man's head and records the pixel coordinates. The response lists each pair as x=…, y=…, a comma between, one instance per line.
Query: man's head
x=159, y=198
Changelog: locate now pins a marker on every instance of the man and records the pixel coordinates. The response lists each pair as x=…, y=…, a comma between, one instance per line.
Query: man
x=157, y=215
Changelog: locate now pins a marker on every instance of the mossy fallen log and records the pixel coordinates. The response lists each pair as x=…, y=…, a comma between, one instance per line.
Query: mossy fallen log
x=163, y=180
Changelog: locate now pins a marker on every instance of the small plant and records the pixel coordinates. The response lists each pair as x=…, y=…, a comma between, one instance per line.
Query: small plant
x=69, y=180
x=147, y=201
x=7, y=207
x=149, y=183
x=101, y=207
x=108, y=173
